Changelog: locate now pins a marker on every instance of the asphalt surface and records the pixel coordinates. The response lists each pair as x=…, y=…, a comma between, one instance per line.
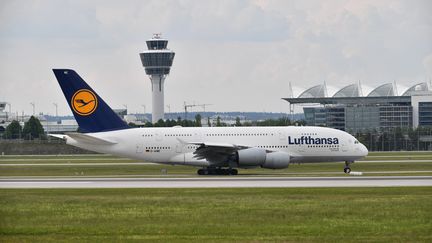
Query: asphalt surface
x=217, y=182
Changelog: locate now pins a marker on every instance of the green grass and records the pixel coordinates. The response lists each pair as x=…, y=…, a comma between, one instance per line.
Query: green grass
x=217, y=215
x=315, y=169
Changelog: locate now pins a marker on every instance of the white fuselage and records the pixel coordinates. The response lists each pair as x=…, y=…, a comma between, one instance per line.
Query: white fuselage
x=175, y=145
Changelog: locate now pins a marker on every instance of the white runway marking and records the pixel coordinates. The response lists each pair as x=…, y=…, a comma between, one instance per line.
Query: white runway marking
x=218, y=182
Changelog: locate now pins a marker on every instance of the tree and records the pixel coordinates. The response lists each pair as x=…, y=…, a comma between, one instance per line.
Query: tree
x=218, y=121
x=33, y=129
x=160, y=123
x=131, y=124
x=208, y=122
x=13, y=130
x=198, y=120
x=238, y=123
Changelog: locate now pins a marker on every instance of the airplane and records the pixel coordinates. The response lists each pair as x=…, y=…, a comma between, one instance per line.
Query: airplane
x=214, y=150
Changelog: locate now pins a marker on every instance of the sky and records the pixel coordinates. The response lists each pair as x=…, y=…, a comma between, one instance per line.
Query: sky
x=236, y=55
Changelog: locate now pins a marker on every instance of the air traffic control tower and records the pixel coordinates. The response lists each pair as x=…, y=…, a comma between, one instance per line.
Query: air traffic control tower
x=157, y=61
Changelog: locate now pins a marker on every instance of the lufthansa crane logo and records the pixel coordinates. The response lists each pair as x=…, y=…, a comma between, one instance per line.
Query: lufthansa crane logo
x=84, y=102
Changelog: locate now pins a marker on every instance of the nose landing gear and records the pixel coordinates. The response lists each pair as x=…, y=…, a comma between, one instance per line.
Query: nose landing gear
x=347, y=168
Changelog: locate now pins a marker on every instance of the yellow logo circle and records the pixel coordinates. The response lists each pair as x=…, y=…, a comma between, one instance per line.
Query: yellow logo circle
x=84, y=102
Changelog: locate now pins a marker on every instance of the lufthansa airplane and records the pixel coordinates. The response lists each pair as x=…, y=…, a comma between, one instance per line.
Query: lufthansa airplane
x=214, y=150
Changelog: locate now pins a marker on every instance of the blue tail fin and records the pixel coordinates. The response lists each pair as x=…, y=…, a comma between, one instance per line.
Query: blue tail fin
x=90, y=111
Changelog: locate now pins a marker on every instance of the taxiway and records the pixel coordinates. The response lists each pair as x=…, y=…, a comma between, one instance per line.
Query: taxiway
x=216, y=182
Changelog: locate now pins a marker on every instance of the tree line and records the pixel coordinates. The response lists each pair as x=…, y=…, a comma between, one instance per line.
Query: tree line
x=219, y=123
x=32, y=130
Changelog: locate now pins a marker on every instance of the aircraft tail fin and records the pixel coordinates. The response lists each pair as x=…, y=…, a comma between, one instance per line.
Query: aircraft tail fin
x=90, y=111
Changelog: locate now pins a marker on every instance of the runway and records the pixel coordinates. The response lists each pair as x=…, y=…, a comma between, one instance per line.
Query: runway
x=217, y=182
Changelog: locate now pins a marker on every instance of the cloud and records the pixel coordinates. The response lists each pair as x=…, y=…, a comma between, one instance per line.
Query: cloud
x=427, y=64
x=237, y=55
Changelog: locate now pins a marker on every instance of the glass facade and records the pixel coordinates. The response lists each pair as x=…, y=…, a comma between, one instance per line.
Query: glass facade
x=157, y=62
x=425, y=113
x=325, y=116
x=362, y=118
x=395, y=116
x=335, y=117
x=356, y=119
x=157, y=44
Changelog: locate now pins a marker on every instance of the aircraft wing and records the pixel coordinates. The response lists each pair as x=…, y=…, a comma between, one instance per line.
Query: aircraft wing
x=215, y=152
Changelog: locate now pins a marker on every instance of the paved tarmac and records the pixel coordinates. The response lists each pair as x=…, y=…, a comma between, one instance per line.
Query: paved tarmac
x=217, y=182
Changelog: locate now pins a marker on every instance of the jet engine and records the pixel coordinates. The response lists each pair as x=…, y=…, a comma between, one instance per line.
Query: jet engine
x=253, y=157
x=276, y=160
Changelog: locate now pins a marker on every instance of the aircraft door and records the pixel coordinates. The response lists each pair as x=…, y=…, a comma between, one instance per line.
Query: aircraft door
x=139, y=148
x=344, y=146
x=300, y=147
x=282, y=138
x=179, y=148
x=158, y=136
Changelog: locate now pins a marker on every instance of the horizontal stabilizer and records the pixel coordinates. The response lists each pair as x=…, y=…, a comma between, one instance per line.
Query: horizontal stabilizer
x=61, y=136
x=86, y=138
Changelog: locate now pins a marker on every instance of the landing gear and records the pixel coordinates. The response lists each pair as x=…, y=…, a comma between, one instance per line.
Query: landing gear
x=202, y=172
x=347, y=168
x=217, y=171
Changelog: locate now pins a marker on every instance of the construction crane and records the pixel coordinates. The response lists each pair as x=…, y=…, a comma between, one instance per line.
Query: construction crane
x=186, y=106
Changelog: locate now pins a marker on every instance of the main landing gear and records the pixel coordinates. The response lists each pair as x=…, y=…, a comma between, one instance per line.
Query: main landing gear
x=217, y=171
x=347, y=168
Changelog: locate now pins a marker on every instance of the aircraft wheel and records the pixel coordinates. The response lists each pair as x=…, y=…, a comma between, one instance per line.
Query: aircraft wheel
x=347, y=170
x=233, y=172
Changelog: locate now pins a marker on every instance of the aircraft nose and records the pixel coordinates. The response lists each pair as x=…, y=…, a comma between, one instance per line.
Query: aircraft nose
x=364, y=151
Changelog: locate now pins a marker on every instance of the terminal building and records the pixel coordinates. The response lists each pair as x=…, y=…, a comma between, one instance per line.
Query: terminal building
x=381, y=110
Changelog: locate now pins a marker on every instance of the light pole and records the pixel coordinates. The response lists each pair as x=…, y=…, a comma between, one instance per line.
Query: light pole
x=56, y=106
x=56, y=119
x=10, y=113
x=144, y=107
x=33, y=105
x=169, y=110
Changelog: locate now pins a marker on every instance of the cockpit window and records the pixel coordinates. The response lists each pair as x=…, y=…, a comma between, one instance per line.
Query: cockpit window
x=356, y=142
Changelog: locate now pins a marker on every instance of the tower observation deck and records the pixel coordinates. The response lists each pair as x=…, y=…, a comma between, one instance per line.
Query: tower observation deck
x=157, y=62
